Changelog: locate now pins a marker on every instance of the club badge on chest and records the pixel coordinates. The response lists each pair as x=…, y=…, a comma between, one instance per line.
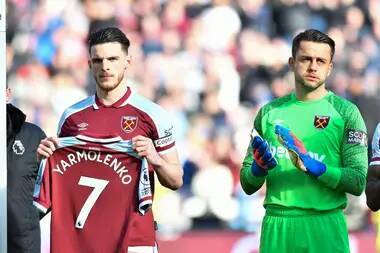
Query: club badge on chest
x=129, y=123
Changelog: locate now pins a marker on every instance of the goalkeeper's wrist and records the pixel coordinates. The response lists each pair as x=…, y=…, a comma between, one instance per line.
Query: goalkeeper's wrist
x=258, y=171
x=331, y=177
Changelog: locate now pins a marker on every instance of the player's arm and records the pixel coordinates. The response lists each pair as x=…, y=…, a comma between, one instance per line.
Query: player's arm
x=258, y=160
x=166, y=165
x=372, y=189
x=354, y=156
x=249, y=182
x=169, y=170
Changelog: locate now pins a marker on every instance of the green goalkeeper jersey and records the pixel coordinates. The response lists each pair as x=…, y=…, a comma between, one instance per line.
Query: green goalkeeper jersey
x=333, y=132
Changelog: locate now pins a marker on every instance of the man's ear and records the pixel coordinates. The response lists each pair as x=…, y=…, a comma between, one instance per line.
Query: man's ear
x=128, y=59
x=331, y=65
x=89, y=64
x=8, y=95
x=291, y=63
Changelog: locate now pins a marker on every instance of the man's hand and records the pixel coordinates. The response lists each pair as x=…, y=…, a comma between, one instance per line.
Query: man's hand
x=47, y=147
x=298, y=152
x=145, y=148
x=167, y=166
x=263, y=158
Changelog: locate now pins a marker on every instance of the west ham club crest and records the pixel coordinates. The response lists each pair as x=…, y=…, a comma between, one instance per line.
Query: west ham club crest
x=129, y=123
x=321, y=122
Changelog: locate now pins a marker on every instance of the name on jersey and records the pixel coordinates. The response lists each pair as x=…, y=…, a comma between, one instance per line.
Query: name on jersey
x=95, y=156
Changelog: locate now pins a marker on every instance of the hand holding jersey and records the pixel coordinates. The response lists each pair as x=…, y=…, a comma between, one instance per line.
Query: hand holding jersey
x=47, y=147
x=145, y=148
x=298, y=153
x=263, y=158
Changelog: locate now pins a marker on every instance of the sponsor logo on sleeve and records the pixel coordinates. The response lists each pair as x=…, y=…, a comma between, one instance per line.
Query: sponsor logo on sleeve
x=168, y=131
x=356, y=137
x=164, y=141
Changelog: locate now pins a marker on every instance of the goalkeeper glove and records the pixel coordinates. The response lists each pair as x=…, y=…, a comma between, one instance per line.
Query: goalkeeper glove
x=263, y=158
x=298, y=153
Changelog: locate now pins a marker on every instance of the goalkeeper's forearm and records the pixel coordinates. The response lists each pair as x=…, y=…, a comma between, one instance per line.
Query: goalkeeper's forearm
x=248, y=181
x=348, y=179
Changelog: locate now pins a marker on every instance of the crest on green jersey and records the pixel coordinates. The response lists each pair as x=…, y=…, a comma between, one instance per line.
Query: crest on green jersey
x=321, y=122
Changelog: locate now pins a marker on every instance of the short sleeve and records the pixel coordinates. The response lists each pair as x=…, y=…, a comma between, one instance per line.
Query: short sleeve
x=375, y=160
x=41, y=195
x=164, y=138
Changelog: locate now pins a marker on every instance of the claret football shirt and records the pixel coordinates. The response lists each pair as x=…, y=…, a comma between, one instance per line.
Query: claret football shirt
x=90, y=185
x=128, y=117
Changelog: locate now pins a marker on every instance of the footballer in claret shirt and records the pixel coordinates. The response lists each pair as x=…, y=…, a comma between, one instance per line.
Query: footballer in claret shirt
x=130, y=116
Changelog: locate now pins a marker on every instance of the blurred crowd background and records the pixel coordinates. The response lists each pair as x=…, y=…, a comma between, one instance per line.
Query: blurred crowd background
x=211, y=64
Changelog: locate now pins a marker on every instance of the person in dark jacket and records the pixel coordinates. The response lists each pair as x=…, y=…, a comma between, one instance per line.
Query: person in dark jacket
x=23, y=139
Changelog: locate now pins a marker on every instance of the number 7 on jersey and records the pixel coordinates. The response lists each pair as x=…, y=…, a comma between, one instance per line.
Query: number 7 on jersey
x=99, y=185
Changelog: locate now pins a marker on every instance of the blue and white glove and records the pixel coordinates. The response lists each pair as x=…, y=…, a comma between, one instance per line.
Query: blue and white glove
x=298, y=153
x=263, y=158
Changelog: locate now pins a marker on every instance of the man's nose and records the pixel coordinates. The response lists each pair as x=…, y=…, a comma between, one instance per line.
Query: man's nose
x=105, y=64
x=313, y=65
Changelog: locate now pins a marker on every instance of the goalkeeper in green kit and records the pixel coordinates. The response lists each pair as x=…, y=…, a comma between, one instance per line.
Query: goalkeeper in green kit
x=310, y=148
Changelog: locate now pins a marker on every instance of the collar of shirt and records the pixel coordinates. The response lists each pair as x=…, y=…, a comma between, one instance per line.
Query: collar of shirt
x=119, y=103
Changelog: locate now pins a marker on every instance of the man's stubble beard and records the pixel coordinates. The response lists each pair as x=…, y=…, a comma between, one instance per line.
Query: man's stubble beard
x=307, y=86
x=109, y=88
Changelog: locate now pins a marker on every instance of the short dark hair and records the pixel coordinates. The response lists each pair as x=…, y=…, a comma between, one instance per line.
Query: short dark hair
x=108, y=34
x=314, y=36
